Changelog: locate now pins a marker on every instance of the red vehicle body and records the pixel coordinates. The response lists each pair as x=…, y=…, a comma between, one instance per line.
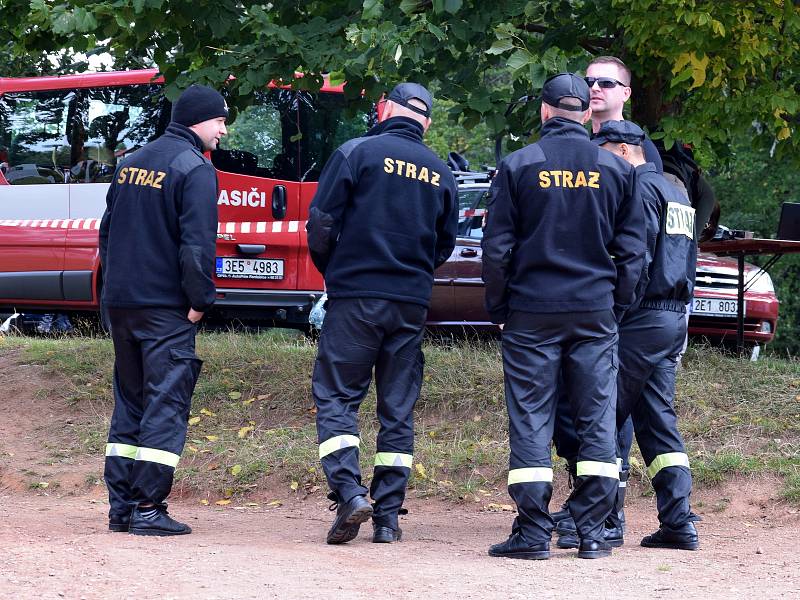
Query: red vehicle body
x=458, y=290
x=61, y=138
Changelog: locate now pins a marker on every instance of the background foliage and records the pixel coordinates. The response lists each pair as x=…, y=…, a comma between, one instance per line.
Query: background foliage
x=723, y=76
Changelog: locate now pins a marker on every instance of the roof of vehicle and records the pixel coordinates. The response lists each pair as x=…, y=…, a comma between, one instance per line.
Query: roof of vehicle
x=105, y=78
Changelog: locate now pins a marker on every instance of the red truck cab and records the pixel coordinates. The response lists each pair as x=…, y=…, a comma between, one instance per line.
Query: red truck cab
x=61, y=139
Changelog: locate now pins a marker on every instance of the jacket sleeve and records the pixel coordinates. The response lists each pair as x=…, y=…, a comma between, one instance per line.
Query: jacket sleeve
x=327, y=208
x=105, y=226
x=197, y=220
x=652, y=224
x=628, y=247
x=447, y=225
x=499, y=240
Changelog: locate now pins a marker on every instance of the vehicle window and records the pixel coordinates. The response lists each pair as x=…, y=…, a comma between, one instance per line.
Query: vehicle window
x=76, y=136
x=263, y=139
x=471, y=208
x=327, y=121
x=117, y=121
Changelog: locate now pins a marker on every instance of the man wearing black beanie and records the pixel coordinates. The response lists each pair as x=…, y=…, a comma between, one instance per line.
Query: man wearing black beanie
x=157, y=248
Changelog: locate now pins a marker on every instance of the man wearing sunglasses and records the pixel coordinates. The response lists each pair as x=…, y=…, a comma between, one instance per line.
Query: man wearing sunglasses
x=609, y=80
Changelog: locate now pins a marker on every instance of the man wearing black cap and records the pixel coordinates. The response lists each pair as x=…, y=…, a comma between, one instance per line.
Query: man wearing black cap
x=157, y=246
x=383, y=218
x=562, y=252
x=651, y=338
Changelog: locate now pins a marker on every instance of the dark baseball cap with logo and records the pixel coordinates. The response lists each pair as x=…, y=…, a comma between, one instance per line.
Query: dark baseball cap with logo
x=619, y=132
x=566, y=85
x=404, y=92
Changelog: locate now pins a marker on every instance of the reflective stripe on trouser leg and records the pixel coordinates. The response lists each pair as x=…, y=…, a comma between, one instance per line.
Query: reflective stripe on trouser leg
x=347, y=351
x=170, y=371
x=123, y=434
x=531, y=405
x=398, y=380
x=654, y=417
x=590, y=376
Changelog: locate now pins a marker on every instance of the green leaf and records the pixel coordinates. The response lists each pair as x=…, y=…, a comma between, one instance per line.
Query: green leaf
x=437, y=32
x=409, y=6
x=519, y=60
x=372, y=9
x=500, y=46
x=452, y=6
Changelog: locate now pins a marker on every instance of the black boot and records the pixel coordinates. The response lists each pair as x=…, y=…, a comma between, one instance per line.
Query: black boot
x=119, y=523
x=683, y=538
x=349, y=517
x=516, y=547
x=385, y=535
x=594, y=549
x=611, y=535
x=154, y=520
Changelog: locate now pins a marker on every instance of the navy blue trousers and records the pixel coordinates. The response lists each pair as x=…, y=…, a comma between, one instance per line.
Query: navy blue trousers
x=359, y=335
x=155, y=371
x=650, y=342
x=537, y=348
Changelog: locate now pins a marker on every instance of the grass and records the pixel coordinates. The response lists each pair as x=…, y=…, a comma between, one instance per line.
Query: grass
x=252, y=425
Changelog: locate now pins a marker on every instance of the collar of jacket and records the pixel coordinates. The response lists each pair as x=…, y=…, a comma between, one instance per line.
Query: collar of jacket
x=185, y=133
x=559, y=126
x=399, y=125
x=646, y=168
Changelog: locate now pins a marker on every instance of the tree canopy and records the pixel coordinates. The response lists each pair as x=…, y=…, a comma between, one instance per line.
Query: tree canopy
x=704, y=71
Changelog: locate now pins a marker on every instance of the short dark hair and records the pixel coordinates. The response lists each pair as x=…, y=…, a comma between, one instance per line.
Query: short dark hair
x=613, y=60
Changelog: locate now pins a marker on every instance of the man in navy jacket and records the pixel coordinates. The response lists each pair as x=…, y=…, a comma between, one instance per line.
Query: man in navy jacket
x=562, y=253
x=383, y=218
x=157, y=244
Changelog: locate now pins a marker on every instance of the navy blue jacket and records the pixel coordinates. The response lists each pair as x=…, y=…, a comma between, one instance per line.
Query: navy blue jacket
x=565, y=232
x=158, y=233
x=384, y=216
x=668, y=278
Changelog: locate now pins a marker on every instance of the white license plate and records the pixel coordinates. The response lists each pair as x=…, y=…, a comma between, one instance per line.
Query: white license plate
x=715, y=307
x=250, y=268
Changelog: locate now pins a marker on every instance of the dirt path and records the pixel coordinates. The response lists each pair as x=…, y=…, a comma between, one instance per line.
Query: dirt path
x=54, y=542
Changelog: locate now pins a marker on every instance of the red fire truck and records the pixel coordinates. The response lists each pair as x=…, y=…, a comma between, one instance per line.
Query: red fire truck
x=61, y=139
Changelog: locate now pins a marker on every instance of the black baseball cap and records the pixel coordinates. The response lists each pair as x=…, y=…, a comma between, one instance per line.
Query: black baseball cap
x=619, y=132
x=404, y=92
x=566, y=85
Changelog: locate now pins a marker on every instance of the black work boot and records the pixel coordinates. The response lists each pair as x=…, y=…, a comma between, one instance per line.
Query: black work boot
x=385, y=535
x=154, y=520
x=516, y=547
x=119, y=523
x=683, y=538
x=613, y=536
x=349, y=517
x=594, y=549
x=567, y=527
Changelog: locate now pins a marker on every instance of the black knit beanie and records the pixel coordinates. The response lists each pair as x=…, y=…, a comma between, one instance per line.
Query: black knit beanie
x=198, y=103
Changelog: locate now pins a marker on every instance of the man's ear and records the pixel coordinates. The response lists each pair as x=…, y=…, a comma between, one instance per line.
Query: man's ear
x=586, y=116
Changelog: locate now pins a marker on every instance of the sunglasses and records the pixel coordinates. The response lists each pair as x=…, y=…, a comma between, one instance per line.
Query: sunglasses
x=605, y=83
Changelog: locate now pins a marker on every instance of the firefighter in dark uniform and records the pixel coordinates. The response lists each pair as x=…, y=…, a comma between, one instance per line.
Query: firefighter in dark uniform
x=651, y=337
x=157, y=245
x=562, y=252
x=383, y=218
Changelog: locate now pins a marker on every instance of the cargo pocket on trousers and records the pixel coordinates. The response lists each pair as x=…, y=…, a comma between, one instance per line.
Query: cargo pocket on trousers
x=184, y=372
